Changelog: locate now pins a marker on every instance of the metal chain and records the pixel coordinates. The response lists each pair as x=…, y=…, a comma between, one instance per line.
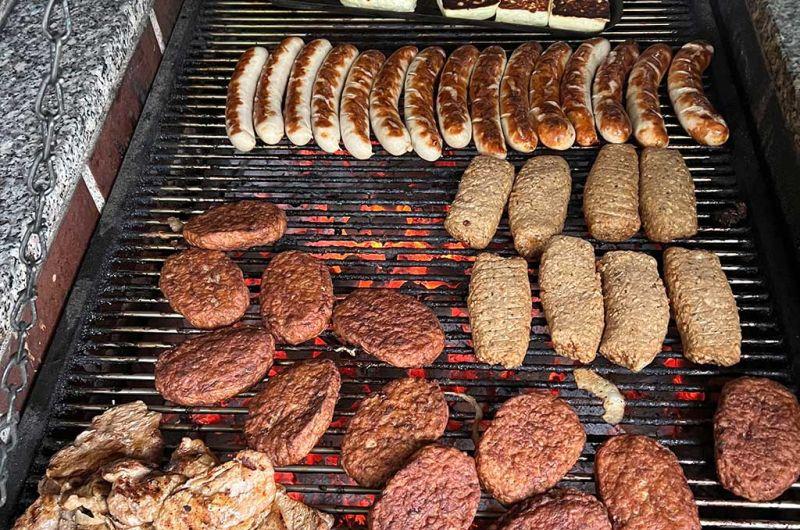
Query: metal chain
x=40, y=179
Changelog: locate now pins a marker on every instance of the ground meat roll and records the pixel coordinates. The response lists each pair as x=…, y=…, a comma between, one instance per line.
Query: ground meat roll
x=500, y=306
x=666, y=196
x=572, y=297
x=704, y=306
x=479, y=203
x=611, y=195
x=537, y=207
x=636, y=309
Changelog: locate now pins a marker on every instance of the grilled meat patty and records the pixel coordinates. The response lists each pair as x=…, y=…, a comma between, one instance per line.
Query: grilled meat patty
x=643, y=485
x=389, y=426
x=206, y=287
x=530, y=445
x=558, y=509
x=209, y=368
x=437, y=490
x=236, y=226
x=287, y=418
x=296, y=297
x=395, y=328
x=757, y=438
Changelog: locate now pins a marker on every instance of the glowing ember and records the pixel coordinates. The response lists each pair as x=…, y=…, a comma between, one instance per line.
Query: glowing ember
x=416, y=372
x=285, y=477
x=460, y=358
x=460, y=312
x=675, y=362
x=690, y=396
x=205, y=419
x=557, y=377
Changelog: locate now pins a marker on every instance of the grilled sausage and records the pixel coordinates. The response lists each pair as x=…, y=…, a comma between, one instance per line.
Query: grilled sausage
x=554, y=129
x=569, y=287
x=478, y=206
x=695, y=112
x=241, y=93
x=452, y=105
x=418, y=102
x=518, y=125
x=609, y=113
x=326, y=93
x=383, y=100
x=636, y=309
x=484, y=96
x=642, y=97
x=297, y=107
x=537, y=207
x=704, y=306
x=267, y=115
x=354, y=113
x=499, y=304
x=576, y=87
x=611, y=194
x=666, y=196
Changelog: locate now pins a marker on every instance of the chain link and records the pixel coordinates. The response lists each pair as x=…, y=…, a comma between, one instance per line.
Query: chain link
x=40, y=180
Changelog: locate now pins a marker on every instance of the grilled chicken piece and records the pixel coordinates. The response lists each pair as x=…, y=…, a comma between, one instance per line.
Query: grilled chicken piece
x=229, y=496
x=128, y=430
x=297, y=516
x=89, y=500
x=135, y=501
x=191, y=458
x=44, y=514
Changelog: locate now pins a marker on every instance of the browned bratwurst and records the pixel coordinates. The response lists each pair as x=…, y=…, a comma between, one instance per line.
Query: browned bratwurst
x=757, y=438
x=296, y=297
x=236, y=226
x=437, y=490
x=558, y=509
x=287, y=418
x=531, y=444
x=206, y=287
x=395, y=328
x=214, y=366
x=389, y=426
x=643, y=486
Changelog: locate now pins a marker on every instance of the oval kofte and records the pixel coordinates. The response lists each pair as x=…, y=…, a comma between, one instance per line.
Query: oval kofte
x=296, y=297
x=757, y=438
x=558, y=509
x=391, y=425
x=207, y=369
x=395, y=328
x=206, y=287
x=643, y=486
x=533, y=441
x=236, y=226
x=287, y=418
x=437, y=490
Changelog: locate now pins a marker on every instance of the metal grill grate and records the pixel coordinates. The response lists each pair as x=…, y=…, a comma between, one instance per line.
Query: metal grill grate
x=379, y=223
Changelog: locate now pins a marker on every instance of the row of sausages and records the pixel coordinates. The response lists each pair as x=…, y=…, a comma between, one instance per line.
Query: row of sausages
x=334, y=94
x=622, y=193
x=617, y=306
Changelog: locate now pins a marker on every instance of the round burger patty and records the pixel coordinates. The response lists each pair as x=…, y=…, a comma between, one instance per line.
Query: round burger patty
x=558, y=509
x=533, y=441
x=643, y=486
x=389, y=426
x=395, y=328
x=287, y=418
x=206, y=287
x=296, y=297
x=215, y=366
x=437, y=490
x=757, y=438
x=236, y=225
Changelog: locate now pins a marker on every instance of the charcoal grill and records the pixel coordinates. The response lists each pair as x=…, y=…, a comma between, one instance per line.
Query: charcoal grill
x=379, y=223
